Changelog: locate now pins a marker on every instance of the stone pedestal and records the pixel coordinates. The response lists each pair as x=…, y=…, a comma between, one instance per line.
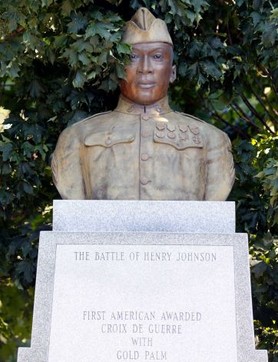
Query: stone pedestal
x=155, y=216
x=143, y=281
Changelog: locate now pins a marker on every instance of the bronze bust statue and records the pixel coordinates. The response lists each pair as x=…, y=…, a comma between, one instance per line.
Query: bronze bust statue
x=143, y=149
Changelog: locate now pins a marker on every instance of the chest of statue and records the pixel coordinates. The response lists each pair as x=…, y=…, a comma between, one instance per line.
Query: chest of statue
x=144, y=157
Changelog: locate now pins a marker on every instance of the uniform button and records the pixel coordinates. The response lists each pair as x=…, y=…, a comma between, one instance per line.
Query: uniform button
x=144, y=157
x=194, y=129
x=160, y=126
x=160, y=134
x=183, y=128
x=144, y=180
x=196, y=140
x=145, y=117
x=108, y=141
x=171, y=135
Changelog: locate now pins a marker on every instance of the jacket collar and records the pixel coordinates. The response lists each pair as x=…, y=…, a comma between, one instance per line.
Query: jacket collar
x=126, y=106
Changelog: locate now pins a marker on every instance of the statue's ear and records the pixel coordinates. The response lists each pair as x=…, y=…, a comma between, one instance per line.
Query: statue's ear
x=173, y=74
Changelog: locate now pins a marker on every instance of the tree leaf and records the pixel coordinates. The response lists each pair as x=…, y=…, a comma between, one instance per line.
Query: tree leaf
x=35, y=88
x=269, y=35
x=79, y=79
x=84, y=58
x=78, y=23
x=123, y=48
x=6, y=149
x=67, y=7
x=101, y=29
x=26, y=268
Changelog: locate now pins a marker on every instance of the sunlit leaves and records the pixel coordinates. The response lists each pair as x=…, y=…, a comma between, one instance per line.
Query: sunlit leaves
x=256, y=193
x=274, y=15
x=269, y=179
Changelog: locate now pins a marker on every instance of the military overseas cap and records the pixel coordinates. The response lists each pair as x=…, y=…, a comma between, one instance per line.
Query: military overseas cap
x=143, y=27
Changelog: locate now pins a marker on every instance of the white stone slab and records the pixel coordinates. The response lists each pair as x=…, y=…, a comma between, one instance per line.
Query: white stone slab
x=173, y=216
x=82, y=273
x=131, y=287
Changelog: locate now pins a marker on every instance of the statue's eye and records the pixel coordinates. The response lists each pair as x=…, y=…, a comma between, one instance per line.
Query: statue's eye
x=157, y=56
x=133, y=57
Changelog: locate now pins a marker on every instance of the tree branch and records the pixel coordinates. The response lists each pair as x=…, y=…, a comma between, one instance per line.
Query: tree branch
x=237, y=129
x=243, y=115
x=262, y=103
x=256, y=114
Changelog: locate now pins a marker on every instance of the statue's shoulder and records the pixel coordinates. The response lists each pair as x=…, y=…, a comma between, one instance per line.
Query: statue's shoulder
x=203, y=125
x=189, y=118
x=87, y=124
x=94, y=118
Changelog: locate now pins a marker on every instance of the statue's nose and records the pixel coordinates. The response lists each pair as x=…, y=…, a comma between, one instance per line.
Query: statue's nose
x=145, y=65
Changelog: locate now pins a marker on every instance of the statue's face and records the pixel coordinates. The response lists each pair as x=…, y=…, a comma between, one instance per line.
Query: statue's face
x=149, y=72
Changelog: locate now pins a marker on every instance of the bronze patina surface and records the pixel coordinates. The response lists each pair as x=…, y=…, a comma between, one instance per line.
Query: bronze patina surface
x=144, y=150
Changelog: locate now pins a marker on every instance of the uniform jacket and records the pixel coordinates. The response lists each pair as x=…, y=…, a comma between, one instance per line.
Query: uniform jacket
x=143, y=153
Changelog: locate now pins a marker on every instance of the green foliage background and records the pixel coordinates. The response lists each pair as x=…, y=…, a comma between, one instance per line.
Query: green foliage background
x=59, y=62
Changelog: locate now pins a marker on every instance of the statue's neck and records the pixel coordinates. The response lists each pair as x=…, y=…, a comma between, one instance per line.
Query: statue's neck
x=127, y=106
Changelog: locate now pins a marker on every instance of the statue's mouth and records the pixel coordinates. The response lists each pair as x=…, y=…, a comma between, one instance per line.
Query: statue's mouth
x=146, y=85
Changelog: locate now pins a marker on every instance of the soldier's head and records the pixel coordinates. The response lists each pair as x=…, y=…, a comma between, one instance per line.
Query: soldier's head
x=151, y=62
